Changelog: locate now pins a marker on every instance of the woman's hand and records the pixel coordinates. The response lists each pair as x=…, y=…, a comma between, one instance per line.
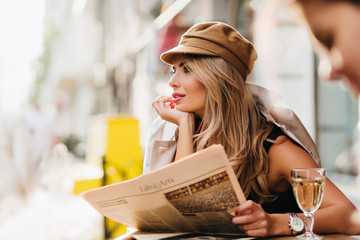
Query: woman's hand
x=252, y=219
x=167, y=111
x=185, y=121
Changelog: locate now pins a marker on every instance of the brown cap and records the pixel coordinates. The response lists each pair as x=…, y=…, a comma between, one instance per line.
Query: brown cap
x=216, y=39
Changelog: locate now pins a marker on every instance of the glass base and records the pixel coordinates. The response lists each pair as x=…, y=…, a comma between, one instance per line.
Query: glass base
x=309, y=236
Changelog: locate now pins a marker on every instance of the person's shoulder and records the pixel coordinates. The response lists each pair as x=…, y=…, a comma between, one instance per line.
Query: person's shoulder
x=158, y=122
x=162, y=129
x=284, y=155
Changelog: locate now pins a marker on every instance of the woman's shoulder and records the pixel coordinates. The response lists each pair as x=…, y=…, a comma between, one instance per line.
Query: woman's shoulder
x=284, y=155
x=162, y=129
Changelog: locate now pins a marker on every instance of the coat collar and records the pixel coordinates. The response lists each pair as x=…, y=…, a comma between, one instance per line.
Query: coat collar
x=264, y=98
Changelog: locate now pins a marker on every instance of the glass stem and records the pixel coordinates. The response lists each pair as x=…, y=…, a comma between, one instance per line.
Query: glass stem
x=309, y=222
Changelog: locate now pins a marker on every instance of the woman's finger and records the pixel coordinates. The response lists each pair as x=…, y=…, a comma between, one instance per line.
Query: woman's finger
x=247, y=208
x=161, y=101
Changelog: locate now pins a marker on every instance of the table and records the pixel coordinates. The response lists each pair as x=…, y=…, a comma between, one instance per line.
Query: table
x=326, y=237
x=129, y=236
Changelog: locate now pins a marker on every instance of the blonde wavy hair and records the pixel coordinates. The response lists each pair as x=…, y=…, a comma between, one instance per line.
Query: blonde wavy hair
x=233, y=119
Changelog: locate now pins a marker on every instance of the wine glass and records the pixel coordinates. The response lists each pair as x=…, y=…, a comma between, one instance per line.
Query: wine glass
x=308, y=186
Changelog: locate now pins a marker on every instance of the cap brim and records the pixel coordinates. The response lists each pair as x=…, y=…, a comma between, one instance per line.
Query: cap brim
x=169, y=56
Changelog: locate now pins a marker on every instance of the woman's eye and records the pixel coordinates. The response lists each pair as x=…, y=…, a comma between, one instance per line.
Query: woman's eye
x=186, y=69
x=327, y=40
x=172, y=70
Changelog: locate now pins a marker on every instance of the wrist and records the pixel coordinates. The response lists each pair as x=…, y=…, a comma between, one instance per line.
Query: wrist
x=279, y=224
x=187, y=122
x=296, y=224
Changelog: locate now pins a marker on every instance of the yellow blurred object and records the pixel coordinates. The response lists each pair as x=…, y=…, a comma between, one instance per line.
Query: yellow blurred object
x=122, y=160
x=113, y=146
x=123, y=141
x=86, y=185
x=123, y=154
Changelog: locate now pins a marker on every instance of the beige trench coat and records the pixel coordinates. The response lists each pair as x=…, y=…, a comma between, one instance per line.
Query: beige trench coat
x=161, y=144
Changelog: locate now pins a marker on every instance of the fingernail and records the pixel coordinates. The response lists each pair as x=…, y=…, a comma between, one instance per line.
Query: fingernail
x=236, y=213
x=172, y=105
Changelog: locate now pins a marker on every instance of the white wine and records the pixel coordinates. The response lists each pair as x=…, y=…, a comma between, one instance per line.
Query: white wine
x=308, y=192
x=308, y=186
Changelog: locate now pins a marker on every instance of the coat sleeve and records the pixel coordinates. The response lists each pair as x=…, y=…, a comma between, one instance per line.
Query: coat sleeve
x=160, y=146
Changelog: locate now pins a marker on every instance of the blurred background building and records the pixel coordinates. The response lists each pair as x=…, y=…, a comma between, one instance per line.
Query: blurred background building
x=68, y=66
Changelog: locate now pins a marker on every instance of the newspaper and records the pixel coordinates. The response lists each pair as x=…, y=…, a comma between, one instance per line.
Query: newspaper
x=197, y=194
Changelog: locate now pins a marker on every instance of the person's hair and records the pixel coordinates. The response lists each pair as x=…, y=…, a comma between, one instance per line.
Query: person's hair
x=232, y=119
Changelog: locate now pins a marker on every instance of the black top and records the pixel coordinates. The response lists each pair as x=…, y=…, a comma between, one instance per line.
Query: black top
x=285, y=201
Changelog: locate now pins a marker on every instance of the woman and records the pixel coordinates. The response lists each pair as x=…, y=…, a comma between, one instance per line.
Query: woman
x=336, y=25
x=211, y=103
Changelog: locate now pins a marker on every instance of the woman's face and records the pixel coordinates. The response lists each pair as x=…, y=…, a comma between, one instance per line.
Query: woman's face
x=189, y=93
x=337, y=26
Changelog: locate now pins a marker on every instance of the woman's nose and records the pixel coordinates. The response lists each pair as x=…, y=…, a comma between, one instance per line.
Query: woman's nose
x=173, y=83
x=337, y=65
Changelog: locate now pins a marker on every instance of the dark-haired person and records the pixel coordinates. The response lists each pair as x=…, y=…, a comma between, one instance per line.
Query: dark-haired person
x=336, y=25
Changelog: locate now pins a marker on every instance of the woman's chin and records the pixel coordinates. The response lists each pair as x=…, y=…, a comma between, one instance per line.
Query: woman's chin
x=355, y=86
